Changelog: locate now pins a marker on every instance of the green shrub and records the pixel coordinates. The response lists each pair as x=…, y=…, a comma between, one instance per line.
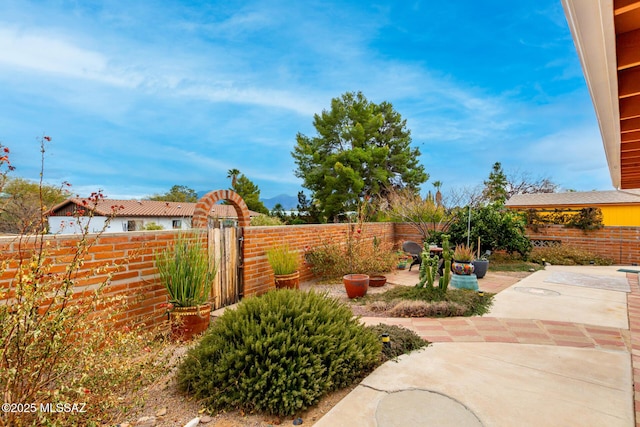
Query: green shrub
x=402, y=340
x=332, y=260
x=259, y=220
x=567, y=255
x=150, y=226
x=499, y=228
x=278, y=354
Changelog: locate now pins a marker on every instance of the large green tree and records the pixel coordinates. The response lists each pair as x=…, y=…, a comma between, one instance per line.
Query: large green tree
x=361, y=149
x=23, y=202
x=177, y=193
x=250, y=193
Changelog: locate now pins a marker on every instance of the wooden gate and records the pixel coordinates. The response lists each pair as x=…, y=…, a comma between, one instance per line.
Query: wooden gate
x=225, y=250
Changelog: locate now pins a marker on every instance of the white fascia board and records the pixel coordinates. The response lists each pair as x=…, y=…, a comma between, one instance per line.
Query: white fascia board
x=592, y=27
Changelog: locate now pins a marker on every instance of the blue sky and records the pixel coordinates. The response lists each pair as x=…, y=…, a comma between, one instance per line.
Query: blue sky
x=139, y=96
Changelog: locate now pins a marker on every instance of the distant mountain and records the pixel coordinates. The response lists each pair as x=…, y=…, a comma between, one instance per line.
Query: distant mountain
x=287, y=202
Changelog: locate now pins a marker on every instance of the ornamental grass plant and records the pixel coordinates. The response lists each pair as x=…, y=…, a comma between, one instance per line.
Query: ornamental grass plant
x=282, y=259
x=186, y=271
x=463, y=253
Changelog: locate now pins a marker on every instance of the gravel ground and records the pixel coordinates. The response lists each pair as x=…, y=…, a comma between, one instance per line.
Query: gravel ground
x=162, y=397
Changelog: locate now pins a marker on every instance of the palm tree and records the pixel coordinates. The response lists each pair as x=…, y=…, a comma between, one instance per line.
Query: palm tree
x=437, y=185
x=233, y=174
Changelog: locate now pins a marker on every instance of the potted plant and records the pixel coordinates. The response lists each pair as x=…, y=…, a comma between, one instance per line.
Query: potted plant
x=284, y=263
x=481, y=263
x=462, y=258
x=186, y=272
x=355, y=284
x=480, y=266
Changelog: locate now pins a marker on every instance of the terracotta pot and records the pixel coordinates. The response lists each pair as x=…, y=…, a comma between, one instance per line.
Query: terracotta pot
x=187, y=322
x=291, y=281
x=464, y=268
x=356, y=285
x=377, y=281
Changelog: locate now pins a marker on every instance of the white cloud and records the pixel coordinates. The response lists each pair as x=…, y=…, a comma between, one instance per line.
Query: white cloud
x=46, y=53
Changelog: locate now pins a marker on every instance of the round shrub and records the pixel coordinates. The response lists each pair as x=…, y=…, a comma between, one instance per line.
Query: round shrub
x=278, y=354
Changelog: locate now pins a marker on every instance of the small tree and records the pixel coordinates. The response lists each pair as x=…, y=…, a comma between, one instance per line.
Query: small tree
x=278, y=212
x=500, y=187
x=495, y=187
x=308, y=212
x=177, y=193
x=21, y=211
x=425, y=215
x=250, y=193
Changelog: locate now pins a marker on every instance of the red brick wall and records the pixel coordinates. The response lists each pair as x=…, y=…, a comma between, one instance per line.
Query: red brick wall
x=622, y=244
x=258, y=277
x=136, y=276
x=129, y=255
x=404, y=231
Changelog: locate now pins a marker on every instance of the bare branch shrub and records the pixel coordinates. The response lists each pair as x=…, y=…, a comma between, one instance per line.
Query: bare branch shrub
x=59, y=350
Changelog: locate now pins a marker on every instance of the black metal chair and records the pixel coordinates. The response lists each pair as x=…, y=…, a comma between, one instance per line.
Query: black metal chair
x=414, y=249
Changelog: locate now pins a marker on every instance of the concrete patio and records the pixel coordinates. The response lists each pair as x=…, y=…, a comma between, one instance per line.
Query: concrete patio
x=548, y=354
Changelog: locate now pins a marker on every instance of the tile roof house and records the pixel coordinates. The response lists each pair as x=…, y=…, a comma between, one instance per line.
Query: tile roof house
x=132, y=215
x=619, y=208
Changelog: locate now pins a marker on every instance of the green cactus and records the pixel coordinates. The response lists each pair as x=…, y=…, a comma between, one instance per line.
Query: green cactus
x=443, y=283
x=428, y=268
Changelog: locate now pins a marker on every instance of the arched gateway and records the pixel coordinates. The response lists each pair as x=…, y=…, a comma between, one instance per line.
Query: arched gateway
x=225, y=245
x=204, y=205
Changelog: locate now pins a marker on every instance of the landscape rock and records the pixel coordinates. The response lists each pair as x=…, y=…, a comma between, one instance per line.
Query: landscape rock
x=146, y=422
x=205, y=420
x=193, y=423
x=161, y=412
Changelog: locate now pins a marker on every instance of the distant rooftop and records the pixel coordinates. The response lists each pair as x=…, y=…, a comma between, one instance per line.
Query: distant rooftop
x=580, y=198
x=145, y=208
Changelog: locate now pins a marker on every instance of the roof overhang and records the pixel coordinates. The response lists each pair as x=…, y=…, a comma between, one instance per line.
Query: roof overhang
x=607, y=37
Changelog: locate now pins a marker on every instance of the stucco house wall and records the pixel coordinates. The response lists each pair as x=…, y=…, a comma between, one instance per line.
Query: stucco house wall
x=619, y=208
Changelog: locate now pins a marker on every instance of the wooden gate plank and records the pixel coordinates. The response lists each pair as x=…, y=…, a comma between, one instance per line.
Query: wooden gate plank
x=224, y=251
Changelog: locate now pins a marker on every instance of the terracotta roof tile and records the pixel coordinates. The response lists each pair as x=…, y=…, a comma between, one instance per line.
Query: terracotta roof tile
x=579, y=198
x=151, y=208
